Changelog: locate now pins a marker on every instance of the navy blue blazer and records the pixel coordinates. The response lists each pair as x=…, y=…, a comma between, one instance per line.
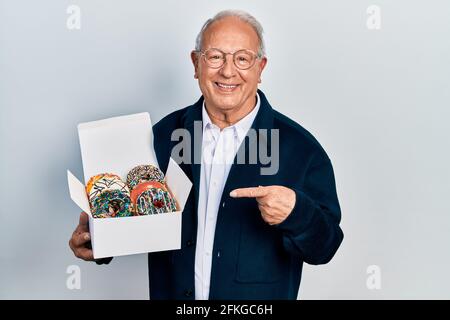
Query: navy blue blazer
x=251, y=259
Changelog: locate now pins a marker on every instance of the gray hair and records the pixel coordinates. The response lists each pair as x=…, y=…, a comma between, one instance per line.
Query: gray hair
x=243, y=16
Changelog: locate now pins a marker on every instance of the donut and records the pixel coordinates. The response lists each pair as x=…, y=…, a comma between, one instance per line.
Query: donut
x=108, y=196
x=100, y=182
x=144, y=173
x=112, y=203
x=152, y=198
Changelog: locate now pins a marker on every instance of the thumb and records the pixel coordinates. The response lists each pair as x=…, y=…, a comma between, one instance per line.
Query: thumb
x=84, y=221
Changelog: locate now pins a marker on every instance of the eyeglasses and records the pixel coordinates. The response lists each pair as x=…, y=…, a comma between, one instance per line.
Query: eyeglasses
x=242, y=59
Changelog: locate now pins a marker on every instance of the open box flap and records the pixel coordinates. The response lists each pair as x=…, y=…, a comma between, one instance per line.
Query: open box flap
x=116, y=145
x=78, y=192
x=178, y=182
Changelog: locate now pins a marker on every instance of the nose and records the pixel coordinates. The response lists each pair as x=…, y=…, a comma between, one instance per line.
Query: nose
x=228, y=69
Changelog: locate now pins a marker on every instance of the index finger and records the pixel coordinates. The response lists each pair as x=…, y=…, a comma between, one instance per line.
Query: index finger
x=81, y=239
x=253, y=192
x=85, y=254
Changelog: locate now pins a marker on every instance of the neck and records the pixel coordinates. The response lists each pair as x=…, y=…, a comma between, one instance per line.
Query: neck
x=226, y=118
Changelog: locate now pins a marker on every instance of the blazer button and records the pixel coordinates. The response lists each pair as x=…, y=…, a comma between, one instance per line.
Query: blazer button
x=188, y=293
x=189, y=243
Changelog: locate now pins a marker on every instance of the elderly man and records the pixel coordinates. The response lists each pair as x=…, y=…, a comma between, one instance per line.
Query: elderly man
x=245, y=235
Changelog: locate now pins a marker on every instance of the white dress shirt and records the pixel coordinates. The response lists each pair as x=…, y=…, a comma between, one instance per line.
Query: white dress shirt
x=219, y=147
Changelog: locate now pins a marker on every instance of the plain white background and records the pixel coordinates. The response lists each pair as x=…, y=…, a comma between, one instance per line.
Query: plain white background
x=377, y=100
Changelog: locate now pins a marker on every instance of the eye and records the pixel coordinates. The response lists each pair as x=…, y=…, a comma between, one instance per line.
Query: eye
x=214, y=56
x=243, y=59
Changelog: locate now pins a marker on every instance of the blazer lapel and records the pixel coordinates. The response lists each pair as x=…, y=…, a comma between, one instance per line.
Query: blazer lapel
x=192, y=122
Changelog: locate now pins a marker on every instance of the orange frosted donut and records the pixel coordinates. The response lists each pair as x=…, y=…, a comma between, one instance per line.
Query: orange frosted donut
x=151, y=198
x=145, y=186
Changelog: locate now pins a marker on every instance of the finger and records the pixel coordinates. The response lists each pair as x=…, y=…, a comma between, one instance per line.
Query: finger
x=84, y=253
x=252, y=192
x=266, y=201
x=267, y=218
x=265, y=212
x=83, y=224
x=79, y=240
x=84, y=220
x=268, y=214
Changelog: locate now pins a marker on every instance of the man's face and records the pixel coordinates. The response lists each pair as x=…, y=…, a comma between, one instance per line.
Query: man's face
x=229, y=35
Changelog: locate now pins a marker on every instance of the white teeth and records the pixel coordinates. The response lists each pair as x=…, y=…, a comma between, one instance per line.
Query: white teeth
x=226, y=86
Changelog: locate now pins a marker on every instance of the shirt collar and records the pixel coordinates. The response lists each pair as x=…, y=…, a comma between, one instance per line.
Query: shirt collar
x=241, y=127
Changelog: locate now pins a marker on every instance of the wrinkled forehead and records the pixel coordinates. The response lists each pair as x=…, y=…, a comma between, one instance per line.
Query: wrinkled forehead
x=230, y=34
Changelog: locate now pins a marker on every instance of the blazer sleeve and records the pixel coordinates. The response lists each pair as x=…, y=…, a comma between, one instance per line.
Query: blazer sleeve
x=103, y=260
x=312, y=229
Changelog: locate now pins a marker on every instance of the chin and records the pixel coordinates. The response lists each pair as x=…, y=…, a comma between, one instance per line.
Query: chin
x=224, y=103
x=226, y=106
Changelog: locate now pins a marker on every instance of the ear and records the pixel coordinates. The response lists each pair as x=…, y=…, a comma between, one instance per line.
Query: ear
x=194, y=58
x=261, y=67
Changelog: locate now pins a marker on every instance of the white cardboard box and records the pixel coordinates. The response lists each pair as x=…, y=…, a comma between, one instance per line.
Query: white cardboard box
x=116, y=145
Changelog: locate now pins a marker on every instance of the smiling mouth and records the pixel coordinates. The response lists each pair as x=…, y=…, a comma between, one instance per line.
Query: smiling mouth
x=226, y=87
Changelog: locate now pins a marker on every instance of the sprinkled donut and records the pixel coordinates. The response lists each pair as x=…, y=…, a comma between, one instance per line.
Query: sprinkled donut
x=152, y=198
x=144, y=173
x=108, y=196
